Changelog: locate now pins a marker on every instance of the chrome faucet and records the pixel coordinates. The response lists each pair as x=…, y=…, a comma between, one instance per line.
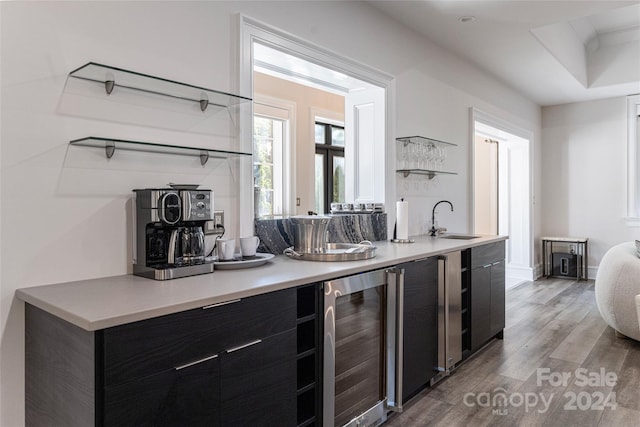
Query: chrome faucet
x=433, y=231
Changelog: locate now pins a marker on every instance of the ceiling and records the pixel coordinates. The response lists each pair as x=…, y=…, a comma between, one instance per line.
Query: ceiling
x=553, y=52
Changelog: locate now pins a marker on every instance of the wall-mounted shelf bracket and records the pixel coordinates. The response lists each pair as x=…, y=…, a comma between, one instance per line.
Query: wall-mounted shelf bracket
x=204, y=157
x=109, y=85
x=109, y=149
x=406, y=173
x=424, y=172
x=204, y=102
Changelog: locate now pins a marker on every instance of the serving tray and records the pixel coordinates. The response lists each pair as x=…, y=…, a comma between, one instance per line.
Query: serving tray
x=336, y=252
x=243, y=262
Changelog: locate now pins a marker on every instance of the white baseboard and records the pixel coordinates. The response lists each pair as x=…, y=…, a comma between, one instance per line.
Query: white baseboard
x=592, y=272
x=538, y=271
x=520, y=272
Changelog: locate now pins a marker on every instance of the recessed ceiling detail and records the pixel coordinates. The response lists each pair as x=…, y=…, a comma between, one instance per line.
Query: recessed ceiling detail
x=552, y=52
x=598, y=50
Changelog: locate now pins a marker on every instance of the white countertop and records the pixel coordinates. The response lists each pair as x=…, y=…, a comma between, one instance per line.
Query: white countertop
x=110, y=301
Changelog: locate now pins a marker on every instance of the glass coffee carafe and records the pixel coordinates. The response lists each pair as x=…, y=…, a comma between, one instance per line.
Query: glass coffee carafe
x=192, y=245
x=186, y=246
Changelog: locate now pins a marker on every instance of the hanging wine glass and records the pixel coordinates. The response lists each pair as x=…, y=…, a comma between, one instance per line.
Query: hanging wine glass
x=430, y=155
x=442, y=157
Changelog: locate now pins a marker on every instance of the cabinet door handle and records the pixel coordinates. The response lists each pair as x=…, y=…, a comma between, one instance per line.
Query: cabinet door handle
x=486, y=266
x=186, y=365
x=220, y=304
x=240, y=347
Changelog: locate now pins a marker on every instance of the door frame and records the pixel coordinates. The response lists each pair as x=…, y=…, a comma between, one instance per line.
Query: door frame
x=501, y=124
x=251, y=30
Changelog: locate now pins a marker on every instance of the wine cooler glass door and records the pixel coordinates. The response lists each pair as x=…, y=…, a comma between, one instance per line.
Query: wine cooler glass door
x=359, y=346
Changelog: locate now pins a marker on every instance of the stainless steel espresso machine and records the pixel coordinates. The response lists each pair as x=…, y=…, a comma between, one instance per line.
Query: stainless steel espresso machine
x=169, y=232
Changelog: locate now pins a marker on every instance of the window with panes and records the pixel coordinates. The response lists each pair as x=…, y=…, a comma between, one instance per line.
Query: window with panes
x=329, y=166
x=268, y=142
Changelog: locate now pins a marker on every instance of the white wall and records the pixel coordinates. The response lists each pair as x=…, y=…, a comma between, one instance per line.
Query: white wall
x=64, y=212
x=584, y=157
x=432, y=108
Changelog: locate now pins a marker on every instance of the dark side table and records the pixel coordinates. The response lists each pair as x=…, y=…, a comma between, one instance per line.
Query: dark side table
x=564, y=267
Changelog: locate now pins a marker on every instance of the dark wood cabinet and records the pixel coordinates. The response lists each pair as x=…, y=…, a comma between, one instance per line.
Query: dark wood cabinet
x=258, y=383
x=232, y=364
x=420, y=335
x=497, y=298
x=175, y=397
x=253, y=384
x=487, y=299
x=149, y=346
x=480, y=306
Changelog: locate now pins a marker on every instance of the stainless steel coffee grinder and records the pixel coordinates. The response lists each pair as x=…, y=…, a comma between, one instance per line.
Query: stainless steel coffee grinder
x=169, y=232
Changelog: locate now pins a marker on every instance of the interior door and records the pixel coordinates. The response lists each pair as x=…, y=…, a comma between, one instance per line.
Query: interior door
x=365, y=141
x=485, y=183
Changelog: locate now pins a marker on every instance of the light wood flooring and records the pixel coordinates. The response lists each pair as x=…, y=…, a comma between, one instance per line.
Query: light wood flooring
x=551, y=324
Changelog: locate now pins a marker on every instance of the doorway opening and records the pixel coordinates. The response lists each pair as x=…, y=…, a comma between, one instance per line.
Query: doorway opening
x=502, y=191
x=365, y=115
x=328, y=100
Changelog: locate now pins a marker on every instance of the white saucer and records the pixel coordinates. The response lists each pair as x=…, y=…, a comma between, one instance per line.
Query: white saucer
x=246, y=262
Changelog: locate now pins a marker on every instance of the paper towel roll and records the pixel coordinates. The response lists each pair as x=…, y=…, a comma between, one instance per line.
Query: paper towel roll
x=402, y=220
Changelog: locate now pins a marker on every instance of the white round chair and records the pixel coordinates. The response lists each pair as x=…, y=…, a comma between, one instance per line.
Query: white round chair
x=617, y=284
x=638, y=306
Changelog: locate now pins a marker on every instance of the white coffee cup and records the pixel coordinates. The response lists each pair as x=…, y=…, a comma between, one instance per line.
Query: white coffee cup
x=249, y=245
x=226, y=249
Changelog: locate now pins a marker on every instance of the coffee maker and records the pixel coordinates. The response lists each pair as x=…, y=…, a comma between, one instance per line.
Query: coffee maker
x=169, y=232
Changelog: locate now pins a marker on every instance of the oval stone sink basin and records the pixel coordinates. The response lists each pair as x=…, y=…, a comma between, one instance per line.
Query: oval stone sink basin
x=459, y=236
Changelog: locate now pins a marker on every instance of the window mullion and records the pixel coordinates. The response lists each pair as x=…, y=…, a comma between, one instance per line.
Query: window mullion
x=329, y=192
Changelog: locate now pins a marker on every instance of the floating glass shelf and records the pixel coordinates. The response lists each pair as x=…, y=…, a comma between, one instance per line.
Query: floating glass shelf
x=430, y=173
x=110, y=145
x=423, y=140
x=112, y=77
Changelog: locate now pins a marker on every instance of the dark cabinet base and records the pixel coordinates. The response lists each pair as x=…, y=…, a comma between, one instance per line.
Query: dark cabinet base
x=253, y=382
x=258, y=383
x=58, y=356
x=480, y=306
x=185, y=397
x=253, y=386
x=487, y=298
x=420, y=353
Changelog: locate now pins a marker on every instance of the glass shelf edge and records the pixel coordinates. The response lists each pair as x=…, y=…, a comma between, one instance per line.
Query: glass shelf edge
x=99, y=142
x=424, y=172
x=76, y=73
x=423, y=139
